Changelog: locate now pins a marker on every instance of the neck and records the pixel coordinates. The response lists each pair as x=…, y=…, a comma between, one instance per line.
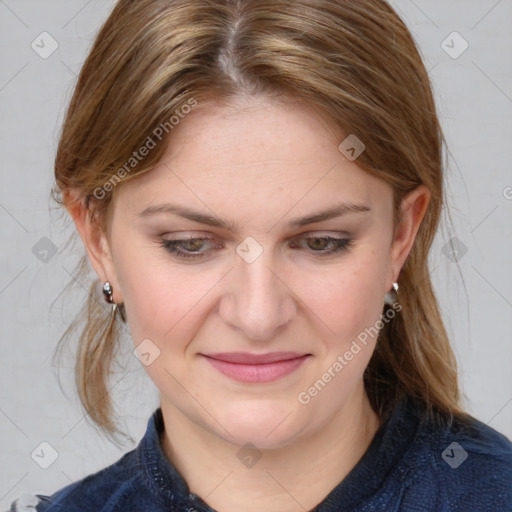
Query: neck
x=282, y=479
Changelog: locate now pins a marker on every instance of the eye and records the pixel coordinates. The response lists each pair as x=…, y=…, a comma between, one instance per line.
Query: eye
x=187, y=248
x=326, y=245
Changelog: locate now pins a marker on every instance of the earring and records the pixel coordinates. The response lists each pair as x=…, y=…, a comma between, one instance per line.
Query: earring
x=391, y=296
x=107, y=294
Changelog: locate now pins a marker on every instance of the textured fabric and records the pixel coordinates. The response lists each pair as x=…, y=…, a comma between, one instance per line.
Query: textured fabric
x=411, y=465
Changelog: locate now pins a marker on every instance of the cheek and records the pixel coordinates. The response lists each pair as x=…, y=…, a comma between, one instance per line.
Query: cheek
x=350, y=298
x=161, y=301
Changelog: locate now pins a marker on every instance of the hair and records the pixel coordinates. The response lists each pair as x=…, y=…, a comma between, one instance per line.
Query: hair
x=354, y=61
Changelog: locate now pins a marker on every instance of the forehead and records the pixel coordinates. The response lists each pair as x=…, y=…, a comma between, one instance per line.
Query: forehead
x=255, y=152
x=253, y=131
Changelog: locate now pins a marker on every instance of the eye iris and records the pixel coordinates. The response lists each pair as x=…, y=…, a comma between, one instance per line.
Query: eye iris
x=193, y=245
x=318, y=243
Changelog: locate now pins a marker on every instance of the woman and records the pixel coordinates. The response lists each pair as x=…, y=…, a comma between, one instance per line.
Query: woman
x=257, y=185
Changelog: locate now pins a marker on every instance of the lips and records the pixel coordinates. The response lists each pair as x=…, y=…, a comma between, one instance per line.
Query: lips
x=248, y=358
x=256, y=368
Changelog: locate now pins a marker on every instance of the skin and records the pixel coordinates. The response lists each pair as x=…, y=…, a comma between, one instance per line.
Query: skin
x=260, y=164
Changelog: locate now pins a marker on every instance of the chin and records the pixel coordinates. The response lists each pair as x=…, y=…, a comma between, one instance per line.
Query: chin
x=266, y=425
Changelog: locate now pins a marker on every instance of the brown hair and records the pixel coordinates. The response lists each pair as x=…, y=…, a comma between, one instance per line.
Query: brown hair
x=354, y=61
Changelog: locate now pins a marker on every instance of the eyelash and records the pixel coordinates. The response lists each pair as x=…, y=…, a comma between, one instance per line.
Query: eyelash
x=172, y=246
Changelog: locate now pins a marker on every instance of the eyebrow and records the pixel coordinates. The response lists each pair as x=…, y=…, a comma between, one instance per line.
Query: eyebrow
x=334, y=211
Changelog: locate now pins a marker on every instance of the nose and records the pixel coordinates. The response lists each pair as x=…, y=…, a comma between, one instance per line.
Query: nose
x=257, y=301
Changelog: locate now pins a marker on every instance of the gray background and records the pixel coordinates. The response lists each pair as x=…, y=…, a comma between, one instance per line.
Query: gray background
x=474, y=95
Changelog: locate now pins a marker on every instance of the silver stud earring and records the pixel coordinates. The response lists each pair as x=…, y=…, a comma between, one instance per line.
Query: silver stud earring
x=391, y=297
x=107, y=294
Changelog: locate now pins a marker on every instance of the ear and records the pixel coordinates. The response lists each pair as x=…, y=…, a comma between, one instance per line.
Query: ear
x=412, y=211
x=95, y=241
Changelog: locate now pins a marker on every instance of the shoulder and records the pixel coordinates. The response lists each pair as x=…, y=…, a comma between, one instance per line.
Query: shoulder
x=93, y=491
x=88, y=494
x=467, y=463
x=131, y=483
x=142, y=479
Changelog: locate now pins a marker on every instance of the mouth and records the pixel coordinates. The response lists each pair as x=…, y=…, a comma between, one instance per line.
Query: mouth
x=256, y=368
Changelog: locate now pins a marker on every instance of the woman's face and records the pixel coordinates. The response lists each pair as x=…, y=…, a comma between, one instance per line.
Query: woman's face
x=263, y=273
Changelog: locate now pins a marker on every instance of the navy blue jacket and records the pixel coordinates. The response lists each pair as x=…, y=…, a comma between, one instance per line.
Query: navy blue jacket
x=411, y=465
